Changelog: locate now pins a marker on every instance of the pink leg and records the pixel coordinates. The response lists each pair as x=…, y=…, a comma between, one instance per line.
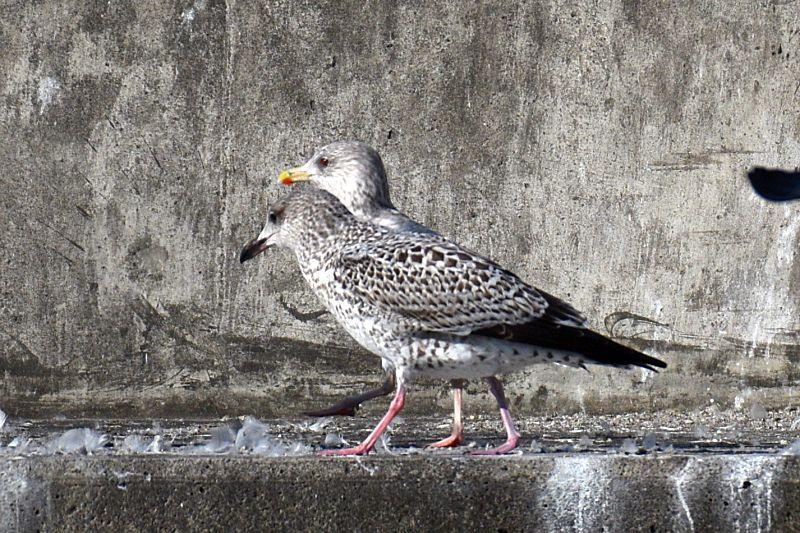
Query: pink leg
x=457, y=436
x=365, y=447
x=513, y=435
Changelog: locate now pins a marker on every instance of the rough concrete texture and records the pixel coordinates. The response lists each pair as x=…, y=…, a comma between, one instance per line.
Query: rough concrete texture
x=656, y=472
x=597, y=149
x=556, y=492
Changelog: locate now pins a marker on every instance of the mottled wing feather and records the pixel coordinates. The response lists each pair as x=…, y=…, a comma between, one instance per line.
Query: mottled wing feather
x=435, y=285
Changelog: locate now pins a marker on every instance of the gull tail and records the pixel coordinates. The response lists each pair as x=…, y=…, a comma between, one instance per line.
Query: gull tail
x=591, y=346
x=774, y=184
x=601, y=350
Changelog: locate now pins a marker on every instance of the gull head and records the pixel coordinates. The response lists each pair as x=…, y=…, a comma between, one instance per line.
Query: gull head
x=302, y=218
x=350, y=170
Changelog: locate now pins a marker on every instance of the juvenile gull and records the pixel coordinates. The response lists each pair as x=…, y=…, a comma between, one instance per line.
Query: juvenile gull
x=428, y=307
x=354, y=173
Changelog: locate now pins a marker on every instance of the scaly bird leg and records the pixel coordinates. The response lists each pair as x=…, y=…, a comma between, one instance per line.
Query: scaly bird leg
x=349, y=405
x=365, y=447
x=457, y=436
x=513, y=435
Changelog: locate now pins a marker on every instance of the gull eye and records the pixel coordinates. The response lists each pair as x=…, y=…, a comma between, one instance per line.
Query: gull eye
x=273, y=218
x=324, y=162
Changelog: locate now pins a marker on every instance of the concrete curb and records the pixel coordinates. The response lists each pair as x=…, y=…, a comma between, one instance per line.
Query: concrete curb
x=542, y=492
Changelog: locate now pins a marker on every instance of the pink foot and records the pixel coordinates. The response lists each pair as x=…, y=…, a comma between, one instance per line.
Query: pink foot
x=450, y=442
x=364, y=448
x=356, y=450
x=510, y=444
x=496, y=388
x=457, y=435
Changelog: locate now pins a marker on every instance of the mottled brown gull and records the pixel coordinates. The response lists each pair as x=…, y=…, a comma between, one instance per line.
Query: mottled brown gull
x=428, y=307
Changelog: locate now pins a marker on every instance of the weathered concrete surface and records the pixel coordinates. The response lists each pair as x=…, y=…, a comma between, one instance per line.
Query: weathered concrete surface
x=596, y=149
x=663, y=471
x=561, y=492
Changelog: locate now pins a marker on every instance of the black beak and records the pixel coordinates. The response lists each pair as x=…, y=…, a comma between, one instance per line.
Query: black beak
x=252, y=249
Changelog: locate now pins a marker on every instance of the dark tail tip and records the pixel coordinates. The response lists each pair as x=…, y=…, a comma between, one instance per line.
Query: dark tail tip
x=610, y=352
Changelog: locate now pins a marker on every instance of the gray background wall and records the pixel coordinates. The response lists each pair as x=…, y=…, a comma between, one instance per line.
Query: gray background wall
x=598, y=149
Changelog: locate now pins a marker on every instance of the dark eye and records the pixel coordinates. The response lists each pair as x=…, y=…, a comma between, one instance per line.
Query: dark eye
x=323, y=162
x=273, y=218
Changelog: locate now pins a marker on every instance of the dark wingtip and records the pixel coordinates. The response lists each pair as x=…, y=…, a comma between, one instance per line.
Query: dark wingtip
x=654, y=366
x=650, y=363
x=774, y=184
x=610, y=352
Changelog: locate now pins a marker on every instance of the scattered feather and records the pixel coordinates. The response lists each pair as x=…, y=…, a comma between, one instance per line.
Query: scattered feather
x=298, y=448
x=629, y=446
x=333, y=439
x=702, y=432
x=757, y=411
x=254, y=437
x=320, y=424
x=159, y=445
x=79, y=440
x=251, y=435
x=21, y=445
x=222, y=440
x=584, y=442
x=316, y=426
x=384, y=440
x=133, y=444
x=792, y=449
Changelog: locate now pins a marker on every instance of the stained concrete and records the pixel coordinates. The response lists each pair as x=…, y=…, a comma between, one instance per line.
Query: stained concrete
x=589, y=492
x=596, y=149
x=667, y=471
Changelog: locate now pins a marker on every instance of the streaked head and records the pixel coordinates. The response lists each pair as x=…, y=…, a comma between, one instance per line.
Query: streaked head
x=304, y=216
x=350, y=170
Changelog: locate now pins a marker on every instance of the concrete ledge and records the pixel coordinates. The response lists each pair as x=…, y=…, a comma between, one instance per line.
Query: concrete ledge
x=543, y=492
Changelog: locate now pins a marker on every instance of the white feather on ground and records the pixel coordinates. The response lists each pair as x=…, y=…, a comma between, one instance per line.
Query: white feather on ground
x=222, y=440
x=79, y=440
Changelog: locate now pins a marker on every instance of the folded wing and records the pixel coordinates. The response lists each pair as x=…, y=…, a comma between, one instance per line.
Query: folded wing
x=433, y=285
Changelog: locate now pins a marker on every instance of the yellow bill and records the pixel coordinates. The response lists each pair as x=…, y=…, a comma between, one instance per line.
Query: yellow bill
x=287, y=177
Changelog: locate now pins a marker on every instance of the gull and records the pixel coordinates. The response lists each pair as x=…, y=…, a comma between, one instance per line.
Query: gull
x=428, y=307
x=353, y=172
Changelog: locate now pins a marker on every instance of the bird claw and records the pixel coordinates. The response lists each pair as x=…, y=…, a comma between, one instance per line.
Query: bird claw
x=356, y=450
x=509, y=445
x=452, y=441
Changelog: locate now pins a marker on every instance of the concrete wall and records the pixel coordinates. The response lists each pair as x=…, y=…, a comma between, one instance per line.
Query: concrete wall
x=597, y=149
